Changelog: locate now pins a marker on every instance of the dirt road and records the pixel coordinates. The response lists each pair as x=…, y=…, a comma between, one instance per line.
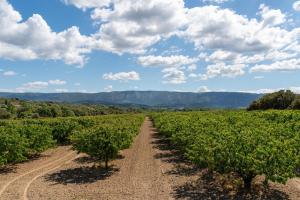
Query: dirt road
x=149, y=170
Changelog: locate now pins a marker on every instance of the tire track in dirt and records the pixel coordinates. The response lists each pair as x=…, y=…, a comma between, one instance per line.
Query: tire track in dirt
x=14, y=182
x=42, y=174
x=20, y=169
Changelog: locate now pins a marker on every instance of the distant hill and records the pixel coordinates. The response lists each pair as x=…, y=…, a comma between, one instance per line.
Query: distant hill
x=147, y=98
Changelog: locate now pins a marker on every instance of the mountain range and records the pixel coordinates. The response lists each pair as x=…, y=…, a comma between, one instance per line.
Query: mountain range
x=147, y=98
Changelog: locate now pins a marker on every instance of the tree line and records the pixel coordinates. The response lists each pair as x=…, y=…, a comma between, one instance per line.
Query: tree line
x=281, y=100
x=22, y=109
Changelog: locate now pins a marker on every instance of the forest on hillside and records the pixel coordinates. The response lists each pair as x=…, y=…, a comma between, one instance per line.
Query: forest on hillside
x=22, y=109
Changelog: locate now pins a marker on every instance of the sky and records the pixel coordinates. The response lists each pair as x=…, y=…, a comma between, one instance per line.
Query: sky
x=170, y=45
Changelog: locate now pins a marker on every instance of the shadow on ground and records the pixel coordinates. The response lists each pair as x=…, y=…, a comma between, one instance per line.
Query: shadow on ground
x=81, y=175
x=7, y=170
x=206, y=186
x=210, y=188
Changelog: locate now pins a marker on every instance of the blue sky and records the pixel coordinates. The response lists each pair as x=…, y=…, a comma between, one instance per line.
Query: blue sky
x=175, y=45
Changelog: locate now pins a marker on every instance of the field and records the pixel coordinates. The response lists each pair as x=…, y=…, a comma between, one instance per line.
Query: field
x=167, y=155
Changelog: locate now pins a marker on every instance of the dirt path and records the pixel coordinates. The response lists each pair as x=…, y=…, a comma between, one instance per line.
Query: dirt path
x=149, y=170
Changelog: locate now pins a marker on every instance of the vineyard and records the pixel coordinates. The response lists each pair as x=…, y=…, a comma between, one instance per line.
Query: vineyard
x=102, y=137
x=245, y=143
x=160, y=156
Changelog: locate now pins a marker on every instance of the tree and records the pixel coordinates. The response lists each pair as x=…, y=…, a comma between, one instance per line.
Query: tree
x=13, y=146
x=4, y=114
x=100, y=143
x=62, y=129
x=295, y=104
x=278, y=100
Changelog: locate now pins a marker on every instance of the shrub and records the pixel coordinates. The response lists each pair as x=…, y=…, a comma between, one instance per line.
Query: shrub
x=100, y=143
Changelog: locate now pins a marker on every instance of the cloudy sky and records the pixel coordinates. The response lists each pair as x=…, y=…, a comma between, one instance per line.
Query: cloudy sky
x=175, y=45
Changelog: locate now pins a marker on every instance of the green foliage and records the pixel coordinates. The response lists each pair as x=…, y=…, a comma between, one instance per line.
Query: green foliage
x=100, y=143
x=13, y=146
x=280, y=100
x=248, y=144
x=21, y=109
x=295, y=104
x=62, y=129
x=4, y=114
x=104, y=141
x=20, y=139
x=39, y=137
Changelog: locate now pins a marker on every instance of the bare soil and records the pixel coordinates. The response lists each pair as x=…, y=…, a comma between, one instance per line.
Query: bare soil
x=150, y=169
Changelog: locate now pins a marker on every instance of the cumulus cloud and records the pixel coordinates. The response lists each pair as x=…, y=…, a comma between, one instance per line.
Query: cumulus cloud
x=271, y=90
x=33, y=86
x=166, y=61
x=173, y=76
x=223, y=70
x=296, y=6
x=39, y=85
x=173, y=66
x=215, y=1
x=214, y=28
x=284, y=65
x=271, y=17
x=192, y=68
x=122, y=76
x=57, y=82
x=203, y=89
x=85, y=4
x=60, y=90
x=30, y=39
x=9, y=73
x=131, y=26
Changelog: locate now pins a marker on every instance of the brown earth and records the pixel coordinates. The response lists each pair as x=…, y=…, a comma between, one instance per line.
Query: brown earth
x=150, y=169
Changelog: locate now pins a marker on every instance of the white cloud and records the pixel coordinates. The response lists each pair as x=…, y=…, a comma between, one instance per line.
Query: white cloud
x=270, y=90
x=236, y=39
x=9, y=73
x=85, y=4
x=32, y=86
x=296, y=6
x=221, y=56
x=33, y=39
x=122, y=76
x=173, y=76
x=271, y=17
x=61, y=90
x=203, y=89
x=193, y=75
x=223, y=70
x=173, y=66
x=77, y=84
x=108, y=88
x=215, y=1
x=134, y=25
x=57, y=82
x=166, y=61
x=284, y=65
x=215, y=28
x=192, y=68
